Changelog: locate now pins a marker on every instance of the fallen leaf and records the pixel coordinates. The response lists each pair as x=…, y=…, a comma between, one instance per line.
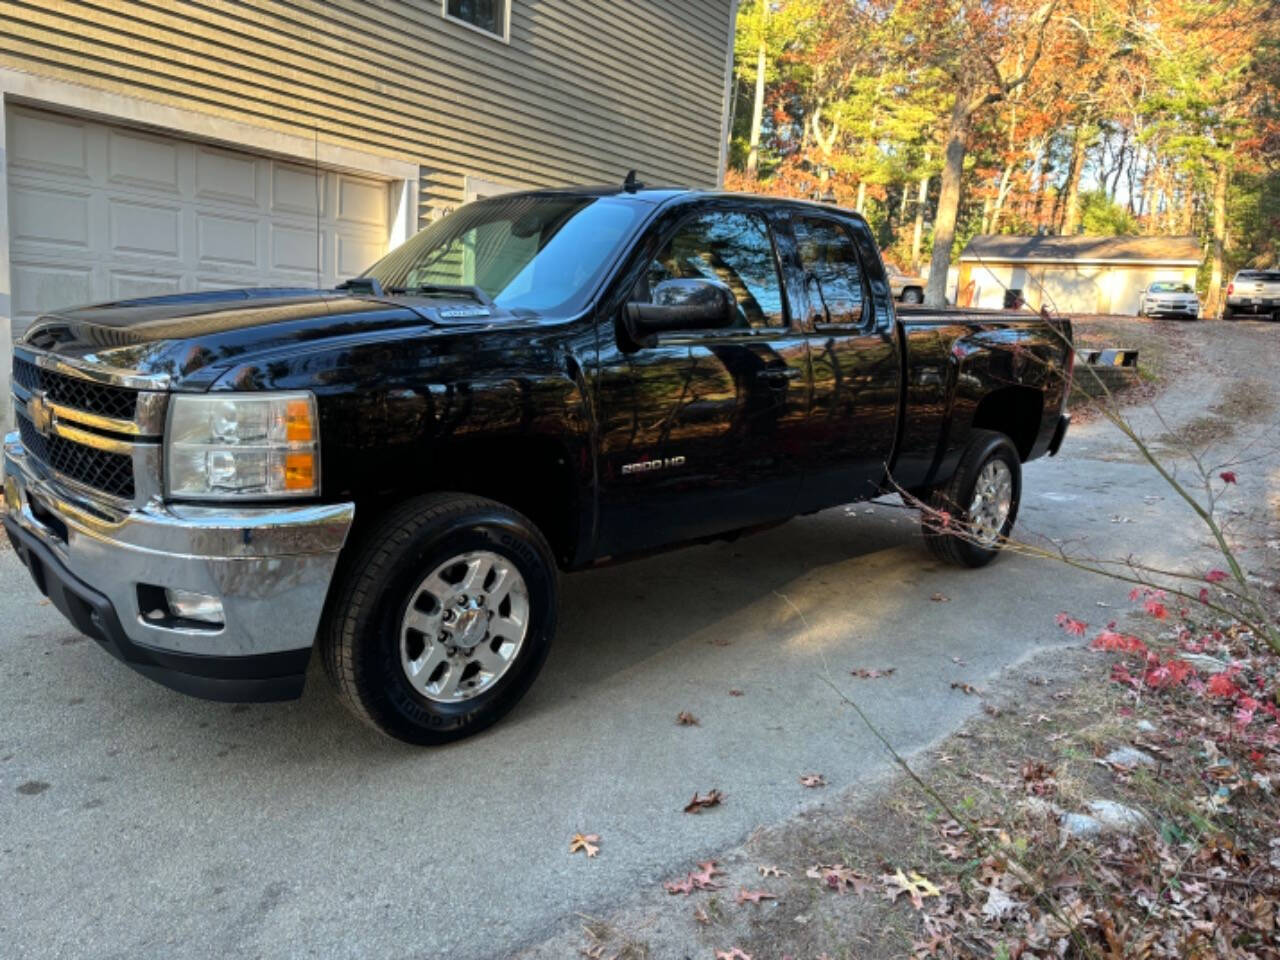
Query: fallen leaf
x=838, y=877
x=587, y=842
x=700, y=802
x=701, y=879
x=735, y=693
x=770, y=871
x=734, y=954
x=965, y=687
x=957, y=660
x=872, y=674
x=752, y=896
x=700, y=914
x=914, y=886
x=686, y=719
x=940, y=598
x=999, y=904
x=1228, y=476
x=813, y=780
x=1071, y=625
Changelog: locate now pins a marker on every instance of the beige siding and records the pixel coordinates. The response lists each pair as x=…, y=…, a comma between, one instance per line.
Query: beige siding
x=583, y=92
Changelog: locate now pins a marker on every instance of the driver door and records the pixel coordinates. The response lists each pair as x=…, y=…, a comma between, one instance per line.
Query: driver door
x=696, y=430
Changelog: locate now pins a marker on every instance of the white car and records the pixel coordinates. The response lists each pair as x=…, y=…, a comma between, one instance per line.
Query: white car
x=1169, y=298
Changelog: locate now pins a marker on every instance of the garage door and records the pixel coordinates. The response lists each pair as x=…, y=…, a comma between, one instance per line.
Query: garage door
x=101, y=212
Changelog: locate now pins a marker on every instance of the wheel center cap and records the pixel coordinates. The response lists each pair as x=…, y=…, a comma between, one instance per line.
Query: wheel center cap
x=469, y=628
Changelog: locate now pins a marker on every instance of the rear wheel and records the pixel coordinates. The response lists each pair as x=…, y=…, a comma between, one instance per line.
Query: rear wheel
x=443, y=618
x=1228, y=313
x=969, y=517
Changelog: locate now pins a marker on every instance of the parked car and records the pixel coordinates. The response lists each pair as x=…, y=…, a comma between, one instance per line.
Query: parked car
x=212, y=484
x=1252, y=292
x=906, y=287
x=1167, y=298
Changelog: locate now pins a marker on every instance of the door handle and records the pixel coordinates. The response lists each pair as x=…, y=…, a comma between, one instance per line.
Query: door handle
x=790, y=373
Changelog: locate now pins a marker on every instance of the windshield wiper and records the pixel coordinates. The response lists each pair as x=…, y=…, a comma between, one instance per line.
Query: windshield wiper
x=445, y=290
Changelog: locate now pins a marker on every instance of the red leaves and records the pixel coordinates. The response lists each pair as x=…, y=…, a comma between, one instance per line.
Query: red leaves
x=1222, y=685
x=1074, y=627
x=1155, y=608
x=1164, y=675
x=752, y=896
x=1227, y=476
x=1216, y=576
x=700, y=802
x=1118, y=643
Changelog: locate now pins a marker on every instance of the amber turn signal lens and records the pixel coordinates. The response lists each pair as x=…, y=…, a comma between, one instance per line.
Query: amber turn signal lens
x=300, y=471
x=298, y=427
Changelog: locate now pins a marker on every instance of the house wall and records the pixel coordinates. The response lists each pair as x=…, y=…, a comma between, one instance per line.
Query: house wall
x=580, y=92
x=1066, y=288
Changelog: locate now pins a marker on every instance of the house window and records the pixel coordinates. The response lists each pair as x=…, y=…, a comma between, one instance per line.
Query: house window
x=490, y=16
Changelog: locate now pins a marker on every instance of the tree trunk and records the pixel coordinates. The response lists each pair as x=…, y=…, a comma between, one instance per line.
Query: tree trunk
x=757, y=110
x=1042, y=188
x=902, y=206
x=944, y=222
x=917, y=234
x=862, y=196
x=1071, y=218
x=1213, y=299
x=1148, y=212
x=1006, y=179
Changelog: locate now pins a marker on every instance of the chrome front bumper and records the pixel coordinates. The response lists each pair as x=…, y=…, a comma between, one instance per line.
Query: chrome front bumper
x=270, y=566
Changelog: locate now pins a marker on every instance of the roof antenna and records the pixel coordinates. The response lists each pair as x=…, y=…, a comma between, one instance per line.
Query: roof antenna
x=631, y=185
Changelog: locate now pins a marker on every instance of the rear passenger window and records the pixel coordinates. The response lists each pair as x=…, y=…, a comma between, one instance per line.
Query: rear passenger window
x=832, y=274
x=732, y=248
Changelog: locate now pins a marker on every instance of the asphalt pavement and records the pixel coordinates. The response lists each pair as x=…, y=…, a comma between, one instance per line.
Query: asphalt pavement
x=136, y=822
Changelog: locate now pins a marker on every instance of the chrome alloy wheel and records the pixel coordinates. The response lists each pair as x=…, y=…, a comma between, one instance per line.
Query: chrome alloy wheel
x=464, y=626
x=992, y=500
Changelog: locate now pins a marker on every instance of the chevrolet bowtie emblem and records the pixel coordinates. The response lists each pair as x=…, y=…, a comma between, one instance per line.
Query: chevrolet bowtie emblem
x=41, y=413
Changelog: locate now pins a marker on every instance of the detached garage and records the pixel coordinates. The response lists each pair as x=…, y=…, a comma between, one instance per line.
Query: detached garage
x=107, y=212
x=1073, y=274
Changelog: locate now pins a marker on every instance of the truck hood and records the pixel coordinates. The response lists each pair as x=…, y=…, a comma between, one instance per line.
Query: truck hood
x=189, y=338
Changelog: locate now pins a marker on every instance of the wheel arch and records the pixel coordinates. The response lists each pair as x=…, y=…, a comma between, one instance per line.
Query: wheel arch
x=1015, y=411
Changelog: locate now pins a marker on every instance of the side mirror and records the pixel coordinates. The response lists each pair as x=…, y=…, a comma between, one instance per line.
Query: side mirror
x=681, y=305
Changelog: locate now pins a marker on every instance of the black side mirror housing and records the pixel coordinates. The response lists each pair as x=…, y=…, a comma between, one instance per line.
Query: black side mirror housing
x=691, y=304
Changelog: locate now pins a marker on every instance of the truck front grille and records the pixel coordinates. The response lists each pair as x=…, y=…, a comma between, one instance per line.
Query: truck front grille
x=112, y=473
x=120, y=403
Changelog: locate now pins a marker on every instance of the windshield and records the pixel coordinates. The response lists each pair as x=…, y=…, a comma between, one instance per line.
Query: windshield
x=526, y=252
x=1171, y=288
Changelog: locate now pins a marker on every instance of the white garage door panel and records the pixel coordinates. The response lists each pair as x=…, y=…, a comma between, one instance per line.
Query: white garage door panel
x=99, y=212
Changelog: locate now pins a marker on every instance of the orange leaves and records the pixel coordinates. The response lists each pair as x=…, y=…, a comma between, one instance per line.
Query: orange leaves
x=587, y=842
x=701, y=879
x=813, y=780
x=700, y=802
x=752, y=896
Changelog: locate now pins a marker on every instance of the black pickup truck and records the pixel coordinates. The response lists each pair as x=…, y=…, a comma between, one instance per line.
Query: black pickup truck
x=395, y=471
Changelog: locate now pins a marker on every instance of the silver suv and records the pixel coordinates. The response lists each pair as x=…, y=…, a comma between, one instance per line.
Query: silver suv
x=1169, y=298
x=1254, y=292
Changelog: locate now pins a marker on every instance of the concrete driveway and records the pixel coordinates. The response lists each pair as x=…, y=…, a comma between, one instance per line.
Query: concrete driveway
x=137, y=822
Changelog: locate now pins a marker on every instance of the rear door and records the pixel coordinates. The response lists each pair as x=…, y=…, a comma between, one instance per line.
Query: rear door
x=853, y=420
x=697, y=432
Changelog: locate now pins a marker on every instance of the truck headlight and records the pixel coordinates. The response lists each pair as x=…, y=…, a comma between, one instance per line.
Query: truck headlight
x=242, y=445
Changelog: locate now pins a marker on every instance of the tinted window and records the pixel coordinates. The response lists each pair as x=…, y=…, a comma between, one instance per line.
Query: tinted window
x=538, y=253
x=1166, y=287
x=488, y=15
x=833, y=275
x=732, y=248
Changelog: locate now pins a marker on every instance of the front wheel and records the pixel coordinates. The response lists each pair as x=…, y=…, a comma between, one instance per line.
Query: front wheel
x=443, y=618
x=967, y=519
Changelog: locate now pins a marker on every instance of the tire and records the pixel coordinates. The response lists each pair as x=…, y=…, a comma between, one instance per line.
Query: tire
x=402, y=576
x=1228, y=313
x=913, y=295
x=956, y=497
